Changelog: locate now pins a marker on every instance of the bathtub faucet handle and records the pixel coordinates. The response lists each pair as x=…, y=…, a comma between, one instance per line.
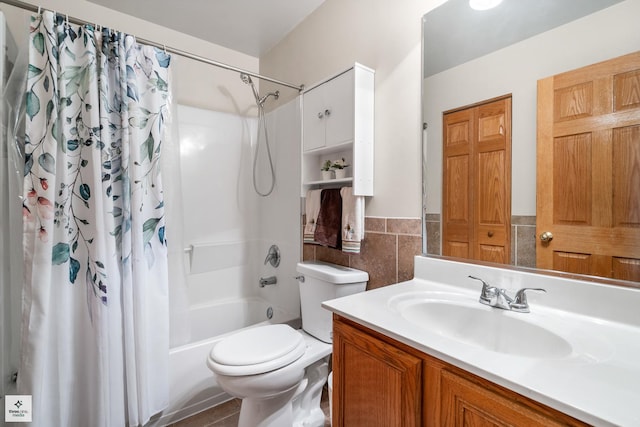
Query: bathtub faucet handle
x=273, y=256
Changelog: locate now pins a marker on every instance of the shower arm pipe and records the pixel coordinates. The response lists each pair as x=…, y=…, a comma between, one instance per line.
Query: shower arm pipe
x=32, y=8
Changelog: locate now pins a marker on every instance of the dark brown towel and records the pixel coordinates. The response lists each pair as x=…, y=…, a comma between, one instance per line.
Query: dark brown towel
x=329, y=223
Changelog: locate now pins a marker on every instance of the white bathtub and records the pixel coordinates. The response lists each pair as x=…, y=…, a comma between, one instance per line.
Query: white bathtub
x=192, y=387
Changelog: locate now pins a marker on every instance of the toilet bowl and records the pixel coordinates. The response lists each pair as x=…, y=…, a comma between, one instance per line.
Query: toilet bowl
x=267, y=396
x=278, y=371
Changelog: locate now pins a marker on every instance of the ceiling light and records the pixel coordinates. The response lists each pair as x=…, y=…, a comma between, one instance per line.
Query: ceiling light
x=484, y=4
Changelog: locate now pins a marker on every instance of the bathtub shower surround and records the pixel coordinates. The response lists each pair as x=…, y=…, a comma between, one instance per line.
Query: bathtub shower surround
x=95, y=325
x=228, y=230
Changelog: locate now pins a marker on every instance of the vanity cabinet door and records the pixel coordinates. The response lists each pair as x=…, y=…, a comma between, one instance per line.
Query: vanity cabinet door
x=465, y=402
x=374, y=383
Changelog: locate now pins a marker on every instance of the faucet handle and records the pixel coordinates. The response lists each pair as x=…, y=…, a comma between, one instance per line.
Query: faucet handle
x=488, y=292
x=273, y=256
x=520, y=303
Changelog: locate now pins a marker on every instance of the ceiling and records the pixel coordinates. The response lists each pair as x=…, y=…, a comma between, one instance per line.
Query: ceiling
x=454, y=33
x=249, y=26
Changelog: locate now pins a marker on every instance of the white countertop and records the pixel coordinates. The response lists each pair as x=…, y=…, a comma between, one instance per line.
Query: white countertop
x=598, y=382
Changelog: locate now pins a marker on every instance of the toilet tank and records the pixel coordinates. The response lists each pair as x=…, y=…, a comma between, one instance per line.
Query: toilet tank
x=322, y=282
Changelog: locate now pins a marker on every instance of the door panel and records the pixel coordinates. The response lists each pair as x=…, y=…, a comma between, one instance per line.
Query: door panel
x=589, y=169
x=457, y=213
x=491, y=253
x=572, y=179
x=626, y=177
x=625, y=268
x=626, y=93
x=457, y=207
x=491, y=198
x=492, y=207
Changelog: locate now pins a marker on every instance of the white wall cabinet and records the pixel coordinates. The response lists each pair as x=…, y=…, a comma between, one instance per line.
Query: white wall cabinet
x=337, y=122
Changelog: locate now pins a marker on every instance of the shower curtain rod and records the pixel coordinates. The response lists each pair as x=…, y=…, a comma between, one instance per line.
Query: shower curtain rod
x=32, y=8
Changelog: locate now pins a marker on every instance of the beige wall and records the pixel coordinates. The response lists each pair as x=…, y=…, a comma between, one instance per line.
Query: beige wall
x=197, y=84
x=382, y=34
x=386, y=36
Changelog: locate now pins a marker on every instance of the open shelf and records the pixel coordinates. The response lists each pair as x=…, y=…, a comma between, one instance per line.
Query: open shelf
x=327, y=182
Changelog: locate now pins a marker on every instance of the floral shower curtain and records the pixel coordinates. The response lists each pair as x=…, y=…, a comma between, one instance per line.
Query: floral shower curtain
x=95, y=315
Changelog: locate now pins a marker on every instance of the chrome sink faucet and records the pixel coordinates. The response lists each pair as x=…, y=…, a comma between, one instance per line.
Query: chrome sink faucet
x=497, y=297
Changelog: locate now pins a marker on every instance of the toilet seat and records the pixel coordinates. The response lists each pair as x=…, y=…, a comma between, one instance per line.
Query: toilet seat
x=257, y=350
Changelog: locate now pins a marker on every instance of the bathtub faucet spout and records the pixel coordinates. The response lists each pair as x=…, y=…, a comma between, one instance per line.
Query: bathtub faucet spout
x=271, y=280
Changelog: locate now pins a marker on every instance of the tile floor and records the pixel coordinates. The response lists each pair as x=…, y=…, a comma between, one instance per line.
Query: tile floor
x=226, y=415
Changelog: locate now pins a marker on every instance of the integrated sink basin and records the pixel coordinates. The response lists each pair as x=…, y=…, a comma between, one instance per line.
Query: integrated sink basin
x=460, y=319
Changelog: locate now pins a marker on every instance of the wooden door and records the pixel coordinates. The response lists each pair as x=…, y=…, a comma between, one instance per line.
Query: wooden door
x=588, y=169
x=374, y=383
x=477, y=182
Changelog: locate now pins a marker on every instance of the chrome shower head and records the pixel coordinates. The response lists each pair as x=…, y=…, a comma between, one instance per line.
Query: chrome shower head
x=259, y=100
x=246, y=78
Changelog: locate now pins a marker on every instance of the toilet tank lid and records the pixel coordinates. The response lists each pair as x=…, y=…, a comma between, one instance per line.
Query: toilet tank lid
x=332, y=273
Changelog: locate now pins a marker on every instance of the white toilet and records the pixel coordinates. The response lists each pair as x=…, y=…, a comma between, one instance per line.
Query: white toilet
x=278, y=371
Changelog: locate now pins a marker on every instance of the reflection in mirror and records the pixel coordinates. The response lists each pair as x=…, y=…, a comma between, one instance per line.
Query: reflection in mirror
x=473, y=56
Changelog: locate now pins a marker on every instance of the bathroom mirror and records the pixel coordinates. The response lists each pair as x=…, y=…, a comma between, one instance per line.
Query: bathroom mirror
x=470, y=56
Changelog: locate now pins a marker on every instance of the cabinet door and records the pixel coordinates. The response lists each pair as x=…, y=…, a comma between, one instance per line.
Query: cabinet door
x=339, y=109
x=313, y=119
x=465, y=403
x=374, y=383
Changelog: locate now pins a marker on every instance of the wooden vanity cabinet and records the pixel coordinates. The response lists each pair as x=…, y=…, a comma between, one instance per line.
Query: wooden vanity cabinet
x=378, y=381
x=374, y=383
